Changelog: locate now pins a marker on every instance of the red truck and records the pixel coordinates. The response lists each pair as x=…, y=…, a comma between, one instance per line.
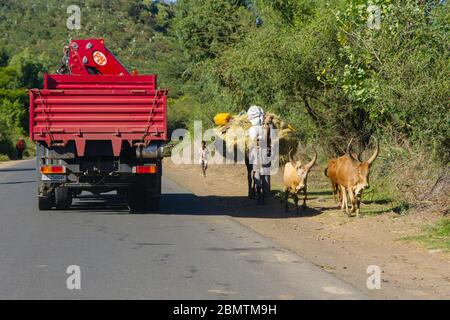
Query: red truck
x=98, y=128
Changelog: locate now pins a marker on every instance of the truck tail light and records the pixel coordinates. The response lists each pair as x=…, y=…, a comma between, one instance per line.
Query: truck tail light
x=52, y=169
x=145, y=169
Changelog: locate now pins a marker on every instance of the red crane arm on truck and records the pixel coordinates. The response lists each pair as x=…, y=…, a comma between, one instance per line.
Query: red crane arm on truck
x=97, y=100
x=92, y=57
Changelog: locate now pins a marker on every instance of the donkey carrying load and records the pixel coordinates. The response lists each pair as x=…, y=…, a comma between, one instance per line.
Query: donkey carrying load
x=241, y=134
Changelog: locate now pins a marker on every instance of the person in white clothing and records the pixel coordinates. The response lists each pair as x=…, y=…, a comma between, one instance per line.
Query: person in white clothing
x=203, y=154
x=260, y=160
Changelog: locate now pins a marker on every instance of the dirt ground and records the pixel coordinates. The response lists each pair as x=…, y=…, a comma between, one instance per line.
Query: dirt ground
x=328, y=238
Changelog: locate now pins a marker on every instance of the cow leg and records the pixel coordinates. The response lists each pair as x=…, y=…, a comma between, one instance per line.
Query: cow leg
x=295, y=195
x=304, y=198
x=286, y=198
x=251, y=185
x=250, y=180
x=358, y=204
x=344, y=199
x=346, y=194
x=351, y=194
x=338, y=193
x=335, y=189
x=253, y=188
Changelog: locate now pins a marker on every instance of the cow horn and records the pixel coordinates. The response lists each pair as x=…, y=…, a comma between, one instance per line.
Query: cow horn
x=313, y=161
x=349, y=145
x=291, y=160
x=376, y=152
x=348, y=149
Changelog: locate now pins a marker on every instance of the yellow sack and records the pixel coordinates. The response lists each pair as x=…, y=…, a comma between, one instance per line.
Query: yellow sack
x=222, y=119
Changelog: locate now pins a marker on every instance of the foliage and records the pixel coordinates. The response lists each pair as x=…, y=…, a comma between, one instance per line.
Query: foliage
x=207, y=28
x=22, y=71
x=331, y=73
x=317, y=63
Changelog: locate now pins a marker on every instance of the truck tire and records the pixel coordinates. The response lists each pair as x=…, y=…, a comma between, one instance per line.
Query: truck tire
x=45, y=202
x=141, y=201
x=121, y=192
x=152, y=203
x=136, y=199
x=153, y=191
x=63, y=198
x=76, y=193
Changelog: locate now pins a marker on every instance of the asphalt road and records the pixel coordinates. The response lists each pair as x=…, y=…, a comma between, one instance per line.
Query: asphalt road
x=188, y=250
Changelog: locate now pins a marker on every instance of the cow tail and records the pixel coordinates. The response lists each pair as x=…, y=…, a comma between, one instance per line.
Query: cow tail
x=325, y=172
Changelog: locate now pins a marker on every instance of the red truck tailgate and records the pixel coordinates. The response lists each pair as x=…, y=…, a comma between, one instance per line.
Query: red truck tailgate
x=98, y=107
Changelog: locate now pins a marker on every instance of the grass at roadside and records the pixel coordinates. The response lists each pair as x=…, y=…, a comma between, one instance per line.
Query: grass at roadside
x=325, y=197
x=435, y=236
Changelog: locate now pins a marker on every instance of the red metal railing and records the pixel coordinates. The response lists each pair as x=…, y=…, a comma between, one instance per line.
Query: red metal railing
x=98, y=107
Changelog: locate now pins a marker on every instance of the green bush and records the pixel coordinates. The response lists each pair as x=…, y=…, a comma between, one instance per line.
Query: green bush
x=315, y=63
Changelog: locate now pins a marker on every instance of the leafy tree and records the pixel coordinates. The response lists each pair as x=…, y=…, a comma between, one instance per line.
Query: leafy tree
x=206, y=28
x=316, y=63
x=4, y=57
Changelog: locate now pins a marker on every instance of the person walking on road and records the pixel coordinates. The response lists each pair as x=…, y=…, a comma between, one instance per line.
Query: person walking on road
x=203, y=153
x=20, y=147
x=261, y=172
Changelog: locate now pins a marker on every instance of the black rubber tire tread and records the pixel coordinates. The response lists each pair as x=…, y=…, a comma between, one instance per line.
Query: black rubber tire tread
x=63, y=198
x=135, y=198
x=152, y=203
x=45, y=202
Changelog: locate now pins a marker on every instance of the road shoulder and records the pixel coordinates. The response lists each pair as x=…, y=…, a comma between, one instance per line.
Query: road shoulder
x=9, y=163
x=343, y=246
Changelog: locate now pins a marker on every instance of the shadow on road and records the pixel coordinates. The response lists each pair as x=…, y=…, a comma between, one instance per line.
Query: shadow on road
x=99, y=204
x=17, y=169
x=184, y=204
x=18, y=182
x=235, y=206
x=190, y=204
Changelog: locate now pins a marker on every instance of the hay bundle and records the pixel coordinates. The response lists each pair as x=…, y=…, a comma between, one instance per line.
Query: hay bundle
x=237, y=130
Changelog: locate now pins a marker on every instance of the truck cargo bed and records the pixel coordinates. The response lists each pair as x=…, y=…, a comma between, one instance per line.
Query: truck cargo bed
x=98, y=107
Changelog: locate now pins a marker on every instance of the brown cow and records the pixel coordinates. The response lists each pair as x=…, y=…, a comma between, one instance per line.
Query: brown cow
x=352, y=175
x=330, y=173
x=295, y=179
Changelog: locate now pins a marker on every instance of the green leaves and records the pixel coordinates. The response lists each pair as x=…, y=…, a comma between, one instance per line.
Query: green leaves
x=207, y=28
x=22, y=71
x=315, y=62
x=12, y=114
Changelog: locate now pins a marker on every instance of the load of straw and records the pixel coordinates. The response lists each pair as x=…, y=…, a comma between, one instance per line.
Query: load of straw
x=237, y=130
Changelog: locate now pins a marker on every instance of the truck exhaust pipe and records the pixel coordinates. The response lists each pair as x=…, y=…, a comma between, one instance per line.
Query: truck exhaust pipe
x=152, y=151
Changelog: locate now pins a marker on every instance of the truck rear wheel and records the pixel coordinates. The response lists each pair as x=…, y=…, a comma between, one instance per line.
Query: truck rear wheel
x=152, y=203
x=135, y=198
x=140, y=200
x=63, y=198
x=45, y=202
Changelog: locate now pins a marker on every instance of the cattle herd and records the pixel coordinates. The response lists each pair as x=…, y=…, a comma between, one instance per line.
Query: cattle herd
x=349, y=176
